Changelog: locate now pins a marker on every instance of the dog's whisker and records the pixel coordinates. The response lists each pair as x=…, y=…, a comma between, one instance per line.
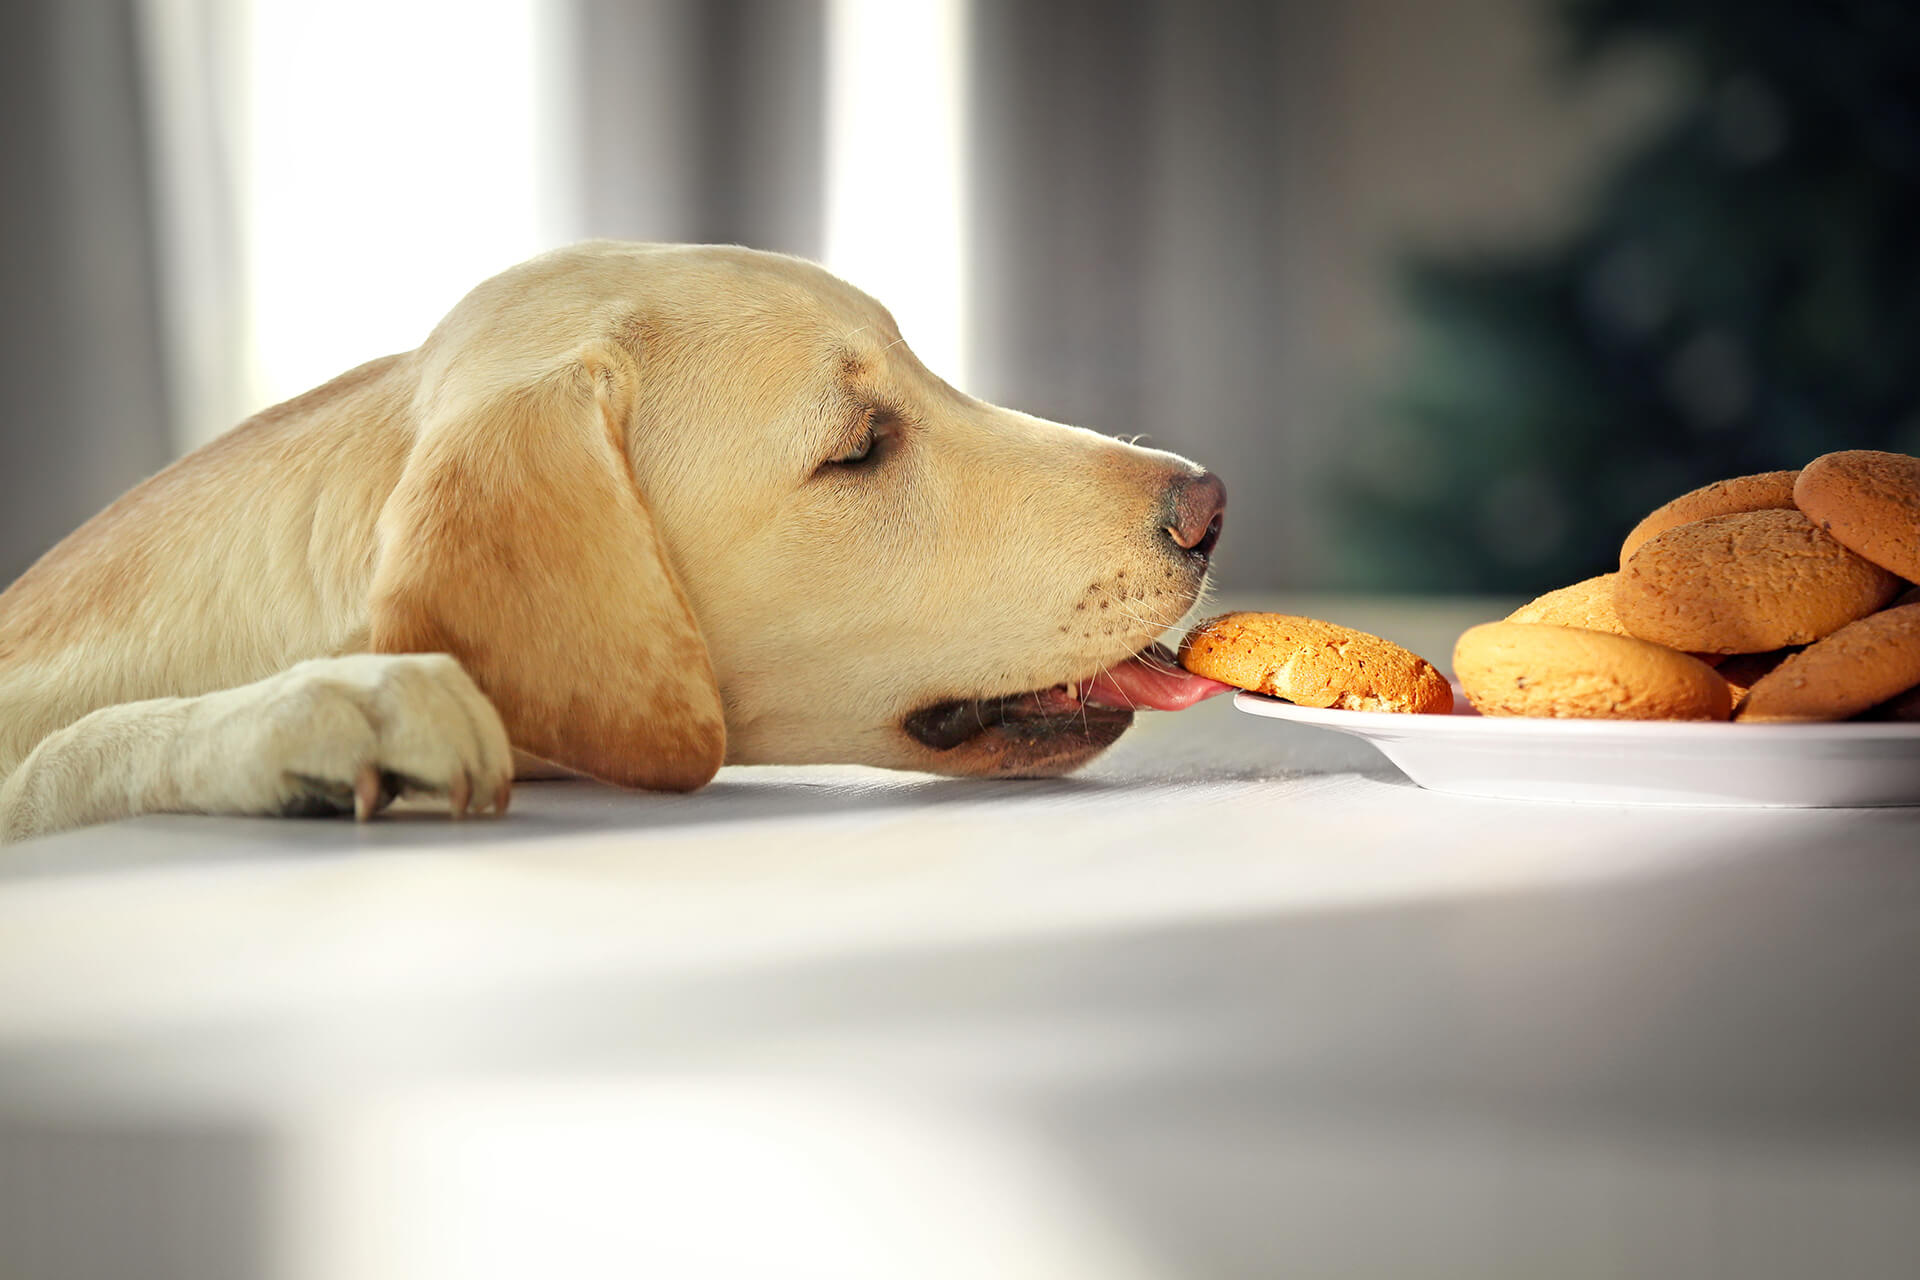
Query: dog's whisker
x=1159, y=624
x=1122, y=601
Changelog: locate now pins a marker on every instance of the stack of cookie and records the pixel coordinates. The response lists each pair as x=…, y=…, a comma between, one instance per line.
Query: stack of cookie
x=1776, y=597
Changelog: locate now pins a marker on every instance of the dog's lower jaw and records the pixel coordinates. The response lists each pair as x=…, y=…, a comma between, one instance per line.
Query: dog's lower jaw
x=1031, y=735
x=1009, y=754
x=1055, y=730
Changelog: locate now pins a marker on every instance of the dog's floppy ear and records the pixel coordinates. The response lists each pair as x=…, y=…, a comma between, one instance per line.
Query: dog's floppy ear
x=517, y=541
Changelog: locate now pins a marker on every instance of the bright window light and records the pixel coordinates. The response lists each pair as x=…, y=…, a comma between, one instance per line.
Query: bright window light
x=396, y=152
x=896, y=156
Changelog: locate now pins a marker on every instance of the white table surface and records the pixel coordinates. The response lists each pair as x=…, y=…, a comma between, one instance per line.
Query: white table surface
x=1237, y=1000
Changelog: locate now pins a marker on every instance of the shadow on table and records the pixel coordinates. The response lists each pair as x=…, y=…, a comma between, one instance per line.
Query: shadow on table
x=549, y=810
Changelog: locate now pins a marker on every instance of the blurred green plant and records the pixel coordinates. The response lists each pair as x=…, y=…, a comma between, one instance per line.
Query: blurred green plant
x=1743, y=295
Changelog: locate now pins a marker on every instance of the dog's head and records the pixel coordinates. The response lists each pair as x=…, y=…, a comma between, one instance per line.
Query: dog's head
x=882, y=569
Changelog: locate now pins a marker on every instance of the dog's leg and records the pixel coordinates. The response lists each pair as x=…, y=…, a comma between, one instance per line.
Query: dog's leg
x=333, y=735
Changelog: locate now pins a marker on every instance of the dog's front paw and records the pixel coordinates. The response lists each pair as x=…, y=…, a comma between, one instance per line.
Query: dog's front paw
x=349, y=735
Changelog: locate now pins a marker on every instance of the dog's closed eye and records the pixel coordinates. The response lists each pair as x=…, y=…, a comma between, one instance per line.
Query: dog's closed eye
x=868, y=443
x=860, y=452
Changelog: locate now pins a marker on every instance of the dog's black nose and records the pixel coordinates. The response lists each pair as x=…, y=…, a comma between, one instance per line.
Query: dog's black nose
x=1195, y=507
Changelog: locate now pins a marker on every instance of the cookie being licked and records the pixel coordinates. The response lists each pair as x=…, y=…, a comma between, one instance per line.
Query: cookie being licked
x=1314, y=664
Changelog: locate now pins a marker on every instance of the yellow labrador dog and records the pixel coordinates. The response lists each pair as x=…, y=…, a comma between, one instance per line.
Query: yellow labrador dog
x=634, y=510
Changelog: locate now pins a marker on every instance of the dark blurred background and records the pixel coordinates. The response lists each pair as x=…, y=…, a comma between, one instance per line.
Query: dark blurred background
x=1450, y=291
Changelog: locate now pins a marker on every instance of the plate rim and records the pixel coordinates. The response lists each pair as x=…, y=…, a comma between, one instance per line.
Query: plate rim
x=1401, y=724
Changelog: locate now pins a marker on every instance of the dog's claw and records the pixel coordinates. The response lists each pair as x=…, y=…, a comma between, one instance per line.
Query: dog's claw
x=460, y=794
x=366, y=793
x=501, y=795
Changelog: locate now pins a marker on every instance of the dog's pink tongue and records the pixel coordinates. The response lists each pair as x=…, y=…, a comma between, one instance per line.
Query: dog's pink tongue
x=1150, y=681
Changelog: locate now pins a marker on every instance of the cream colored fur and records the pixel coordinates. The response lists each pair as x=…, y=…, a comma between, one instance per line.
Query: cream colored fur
x=599, y=485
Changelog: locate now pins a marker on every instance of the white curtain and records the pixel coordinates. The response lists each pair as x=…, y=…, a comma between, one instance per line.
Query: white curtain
x=334, y=177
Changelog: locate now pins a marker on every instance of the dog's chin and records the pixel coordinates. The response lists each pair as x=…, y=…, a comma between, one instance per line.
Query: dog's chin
x=1040, y=734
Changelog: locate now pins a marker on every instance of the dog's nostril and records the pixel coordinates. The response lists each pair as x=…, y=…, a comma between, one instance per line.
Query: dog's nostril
x=1209, y=539
x=1198, y=507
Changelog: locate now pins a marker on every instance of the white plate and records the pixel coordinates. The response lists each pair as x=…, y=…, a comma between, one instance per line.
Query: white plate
x=1846, y=765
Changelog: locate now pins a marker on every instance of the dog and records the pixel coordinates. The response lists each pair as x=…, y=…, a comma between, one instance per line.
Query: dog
x=630, y=511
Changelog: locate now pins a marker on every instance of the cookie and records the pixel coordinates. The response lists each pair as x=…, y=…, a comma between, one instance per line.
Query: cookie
x=1742, y=671
x=1859, y=666
x=1870, y=502
x=1586, y=604
x=1767, y=491
x=1746, y=583
x=1903, y=707
x=1534, y=669
x=1314, y=663
x=1906, y=706
x=1589, y=605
